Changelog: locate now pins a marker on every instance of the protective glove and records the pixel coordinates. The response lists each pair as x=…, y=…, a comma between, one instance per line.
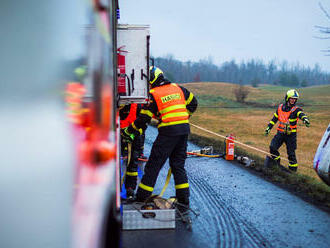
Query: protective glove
x=267, y=131
x=127, y=136
x=306, y=122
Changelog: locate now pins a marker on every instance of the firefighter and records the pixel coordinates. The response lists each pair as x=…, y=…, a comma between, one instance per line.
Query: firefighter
x=287, y=114
x=80, y=72
x=128, y=114
x=172, y=105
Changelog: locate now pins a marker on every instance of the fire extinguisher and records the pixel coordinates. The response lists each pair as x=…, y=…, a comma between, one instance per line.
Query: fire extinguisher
x=229, y=147
x=121, y=71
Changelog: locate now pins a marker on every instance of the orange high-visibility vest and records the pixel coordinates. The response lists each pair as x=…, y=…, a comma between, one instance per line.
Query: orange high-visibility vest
x=171, y=105
x=130, y=117
x=283, y=118
x=74, y=95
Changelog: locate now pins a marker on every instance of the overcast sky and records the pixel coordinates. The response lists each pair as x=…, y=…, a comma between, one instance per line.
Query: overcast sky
x=233, y=29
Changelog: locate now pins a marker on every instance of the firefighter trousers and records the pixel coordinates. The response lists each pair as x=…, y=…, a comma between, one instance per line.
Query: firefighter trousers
x=140, y=143
x=291, y=146
x=164, y=147
x=132, y=166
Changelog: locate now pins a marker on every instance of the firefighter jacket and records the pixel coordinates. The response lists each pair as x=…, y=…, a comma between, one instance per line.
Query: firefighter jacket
x=128, y=114
x=287, y=116
x=172, y=105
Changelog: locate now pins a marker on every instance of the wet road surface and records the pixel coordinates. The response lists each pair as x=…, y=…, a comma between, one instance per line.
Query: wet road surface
x=237, y=209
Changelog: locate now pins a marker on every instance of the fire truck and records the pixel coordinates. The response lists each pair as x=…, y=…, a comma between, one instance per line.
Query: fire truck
x=117, y=68
x=61, y=178
x=116, y=72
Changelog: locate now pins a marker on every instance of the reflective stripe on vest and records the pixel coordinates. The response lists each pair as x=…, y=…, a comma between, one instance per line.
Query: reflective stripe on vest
x=283, y=118
x=130, y=117
x=171, y=105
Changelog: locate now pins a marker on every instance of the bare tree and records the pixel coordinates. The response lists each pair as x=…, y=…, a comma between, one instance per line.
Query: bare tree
x=325, y=31
x=241, y=92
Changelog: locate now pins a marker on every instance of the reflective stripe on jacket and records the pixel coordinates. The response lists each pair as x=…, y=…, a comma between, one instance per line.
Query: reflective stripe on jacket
x=171, y=105
x=285, y=121
x=130, y=117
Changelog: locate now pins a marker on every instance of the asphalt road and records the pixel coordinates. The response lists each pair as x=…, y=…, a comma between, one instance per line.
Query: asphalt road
x=237, y=209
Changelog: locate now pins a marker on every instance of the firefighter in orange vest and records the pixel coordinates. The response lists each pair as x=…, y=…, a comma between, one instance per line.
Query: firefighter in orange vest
x=287, y=115
x=172, y=105
x=128, y=114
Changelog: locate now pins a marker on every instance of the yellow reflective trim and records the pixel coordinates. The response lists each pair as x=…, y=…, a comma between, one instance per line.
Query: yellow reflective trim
x=293, y=165
x=137, y=129
x=163, y=124
x=75, y=111
x=182, y=186
x=299, y=112
x=74, y=104
x=303, y=117
x=133, y=125
x=175, y=107
x=275, y=115
x=277, y=158
x=191, y=96
x=292, y=120
x=170, y=115
x=145, y=187
x=146, y=112
x=151, y=91
x=132, y=174
x=293, y=130
x=271, y=122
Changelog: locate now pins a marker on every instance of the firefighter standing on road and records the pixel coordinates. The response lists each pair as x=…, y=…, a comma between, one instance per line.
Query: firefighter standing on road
x=172, y=105
x=287, y=114
x=128, y=114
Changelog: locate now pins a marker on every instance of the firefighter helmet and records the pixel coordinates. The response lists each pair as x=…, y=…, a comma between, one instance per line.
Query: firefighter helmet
x=156, y=75
x=291, y=94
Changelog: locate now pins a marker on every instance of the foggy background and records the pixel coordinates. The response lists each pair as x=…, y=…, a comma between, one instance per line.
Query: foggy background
x=224, y=30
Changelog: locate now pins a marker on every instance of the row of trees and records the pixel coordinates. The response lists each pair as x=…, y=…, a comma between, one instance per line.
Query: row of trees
x=252, y=72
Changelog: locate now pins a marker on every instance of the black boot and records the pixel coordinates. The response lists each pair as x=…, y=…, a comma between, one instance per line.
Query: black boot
x=183, y=212
x=270, y=163
x=293, y=169
x=129, y=194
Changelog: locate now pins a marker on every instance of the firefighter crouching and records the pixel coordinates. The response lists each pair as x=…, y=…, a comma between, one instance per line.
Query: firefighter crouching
x=287, y=115
x=128, y=114
x=172, y=105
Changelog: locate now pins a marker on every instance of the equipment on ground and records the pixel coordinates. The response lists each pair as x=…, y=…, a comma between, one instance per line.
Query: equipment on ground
x=156, y=213
x=246, y=161
x=208, y=150
x=229, y=147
